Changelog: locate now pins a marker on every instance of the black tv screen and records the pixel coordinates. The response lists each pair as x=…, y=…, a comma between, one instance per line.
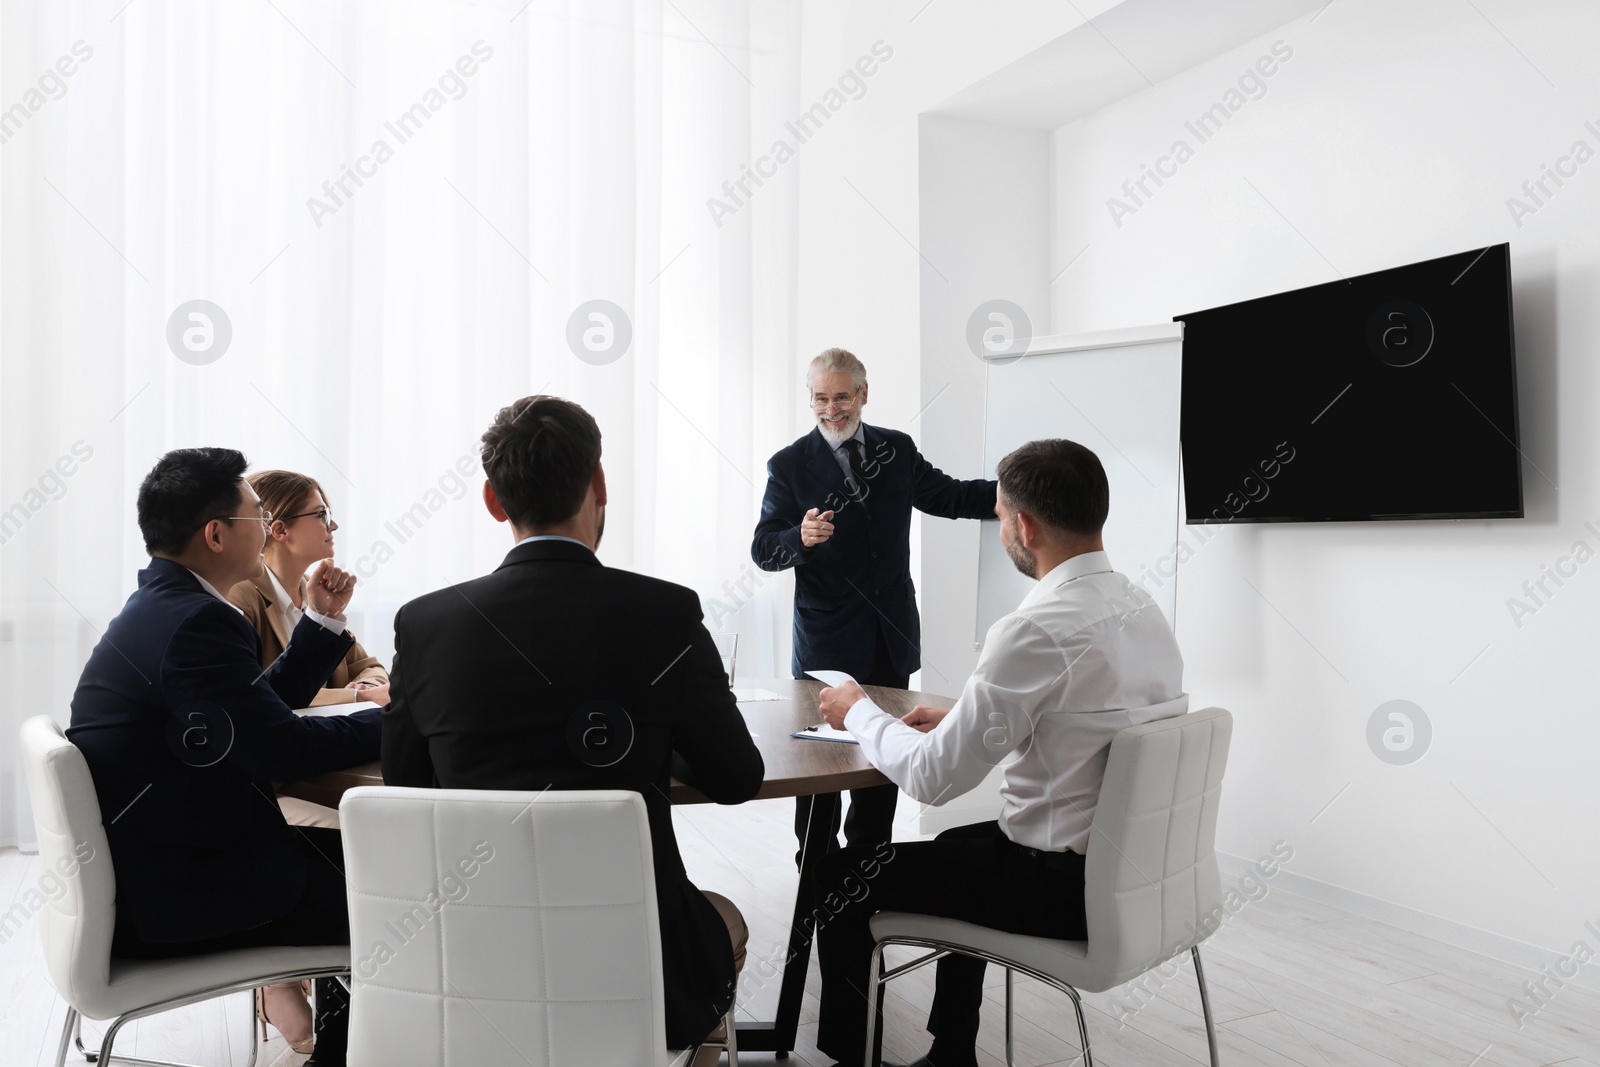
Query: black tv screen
x=1390, y=395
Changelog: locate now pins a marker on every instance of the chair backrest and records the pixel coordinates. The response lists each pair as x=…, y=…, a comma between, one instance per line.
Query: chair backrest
x=77, y=892
x=1151, y=887
x=502, y=927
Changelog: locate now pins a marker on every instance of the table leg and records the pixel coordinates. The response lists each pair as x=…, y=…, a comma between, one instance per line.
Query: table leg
x=779, y=1036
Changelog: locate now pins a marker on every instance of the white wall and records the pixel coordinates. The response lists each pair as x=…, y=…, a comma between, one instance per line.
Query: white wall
x=859, y=263
x=1395, y=133
x=978, y=181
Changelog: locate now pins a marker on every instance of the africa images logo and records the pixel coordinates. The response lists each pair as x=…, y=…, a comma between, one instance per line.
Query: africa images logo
x=1399, y=732
x=199, y=332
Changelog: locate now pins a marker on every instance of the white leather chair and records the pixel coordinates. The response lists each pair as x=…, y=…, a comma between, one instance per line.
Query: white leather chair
x=494, y=926
x=77, y=925
x=1151, y=888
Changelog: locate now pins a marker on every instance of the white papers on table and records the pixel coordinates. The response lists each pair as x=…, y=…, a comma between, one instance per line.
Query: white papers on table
x=824, y=732
x=338, y=709
x=746, y=696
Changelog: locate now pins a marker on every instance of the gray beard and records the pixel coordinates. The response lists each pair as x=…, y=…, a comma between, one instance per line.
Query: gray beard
x=837, y=438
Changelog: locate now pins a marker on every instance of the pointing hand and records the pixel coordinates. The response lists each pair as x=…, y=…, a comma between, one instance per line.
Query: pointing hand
x=815, y=528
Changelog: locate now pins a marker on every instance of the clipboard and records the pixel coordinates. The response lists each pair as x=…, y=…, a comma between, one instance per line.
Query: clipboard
x=822, y=731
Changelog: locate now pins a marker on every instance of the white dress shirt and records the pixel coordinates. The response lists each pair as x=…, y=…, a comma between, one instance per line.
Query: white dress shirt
x=282, y=603
x=549, y=537
x=1085, y=654
x=292, y=614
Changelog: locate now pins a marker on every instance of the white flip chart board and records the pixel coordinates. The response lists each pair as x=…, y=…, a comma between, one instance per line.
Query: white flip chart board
x=1116, y=392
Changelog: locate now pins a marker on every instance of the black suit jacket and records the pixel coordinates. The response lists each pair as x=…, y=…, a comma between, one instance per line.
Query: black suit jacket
x=184, y=735
x=558, y=672
x=862, y=574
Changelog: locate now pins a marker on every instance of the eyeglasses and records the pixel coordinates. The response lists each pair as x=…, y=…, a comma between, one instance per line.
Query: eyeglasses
x=843, y=400
x=323, y=515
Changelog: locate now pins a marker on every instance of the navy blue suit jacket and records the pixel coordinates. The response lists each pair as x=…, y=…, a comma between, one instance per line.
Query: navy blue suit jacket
x=184, y=735
x=860, y=578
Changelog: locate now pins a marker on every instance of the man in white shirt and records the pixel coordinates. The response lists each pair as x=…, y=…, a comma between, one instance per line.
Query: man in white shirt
x=1086, y=654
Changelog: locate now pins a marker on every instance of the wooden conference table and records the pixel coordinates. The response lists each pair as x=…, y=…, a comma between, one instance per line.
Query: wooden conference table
x=794, y=768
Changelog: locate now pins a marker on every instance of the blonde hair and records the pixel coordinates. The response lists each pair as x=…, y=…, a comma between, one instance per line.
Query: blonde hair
x=281, y=492
x=835, y=361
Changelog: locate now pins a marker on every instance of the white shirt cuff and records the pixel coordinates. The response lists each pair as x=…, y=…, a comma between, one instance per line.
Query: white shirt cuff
x=861, y=711
x=331, y=623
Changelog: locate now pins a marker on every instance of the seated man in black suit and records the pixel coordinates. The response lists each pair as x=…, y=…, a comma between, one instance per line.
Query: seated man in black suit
x=558, y=672
x=184, y=734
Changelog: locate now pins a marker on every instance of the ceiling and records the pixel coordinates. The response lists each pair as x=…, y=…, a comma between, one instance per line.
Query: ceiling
x=1133, y=45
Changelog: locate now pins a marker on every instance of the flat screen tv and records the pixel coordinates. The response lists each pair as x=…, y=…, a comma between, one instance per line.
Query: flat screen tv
x=1390, y=395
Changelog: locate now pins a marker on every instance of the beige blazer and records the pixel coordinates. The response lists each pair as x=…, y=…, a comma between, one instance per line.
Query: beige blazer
x=254, y=598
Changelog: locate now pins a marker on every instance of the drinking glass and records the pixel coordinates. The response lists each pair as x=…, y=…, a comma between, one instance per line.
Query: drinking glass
x=728, y=649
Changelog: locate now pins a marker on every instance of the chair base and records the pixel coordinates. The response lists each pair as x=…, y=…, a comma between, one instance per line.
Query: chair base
x=71, y=1031
x=875, y=981
x=730, y=1044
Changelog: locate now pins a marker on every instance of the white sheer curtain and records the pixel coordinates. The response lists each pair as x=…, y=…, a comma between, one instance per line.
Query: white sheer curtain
x=513, y=163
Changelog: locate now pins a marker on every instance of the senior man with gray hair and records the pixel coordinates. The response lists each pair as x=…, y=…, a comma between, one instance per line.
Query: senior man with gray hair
x=838, y=510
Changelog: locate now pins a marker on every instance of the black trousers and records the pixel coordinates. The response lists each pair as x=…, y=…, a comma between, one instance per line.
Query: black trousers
x=870, y=820
x=974, y=873
x=320, y=917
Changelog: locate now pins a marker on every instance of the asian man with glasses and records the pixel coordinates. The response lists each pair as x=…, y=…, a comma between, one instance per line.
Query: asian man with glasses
x=184, y=734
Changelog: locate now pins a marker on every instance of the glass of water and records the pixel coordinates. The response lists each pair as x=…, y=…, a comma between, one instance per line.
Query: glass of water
x=728, y=649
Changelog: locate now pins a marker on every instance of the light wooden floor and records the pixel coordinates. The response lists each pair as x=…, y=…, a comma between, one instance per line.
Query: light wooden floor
x=1292, y=982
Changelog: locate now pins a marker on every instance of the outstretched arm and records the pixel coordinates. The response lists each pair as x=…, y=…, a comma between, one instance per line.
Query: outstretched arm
x=936, y=493
x=934, y=763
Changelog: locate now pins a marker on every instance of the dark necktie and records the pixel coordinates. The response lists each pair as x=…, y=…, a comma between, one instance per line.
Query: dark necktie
x=852, y=449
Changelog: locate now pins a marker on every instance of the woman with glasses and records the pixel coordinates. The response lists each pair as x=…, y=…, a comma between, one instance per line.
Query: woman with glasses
x=299, y=529
x=299, y=534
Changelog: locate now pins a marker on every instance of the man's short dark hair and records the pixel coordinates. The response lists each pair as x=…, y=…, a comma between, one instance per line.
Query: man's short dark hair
x=539, y=455
x=184, y=490
x=1058, y=482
